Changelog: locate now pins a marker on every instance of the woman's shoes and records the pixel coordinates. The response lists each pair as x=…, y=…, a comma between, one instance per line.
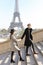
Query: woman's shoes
x=12, y=61
x=21, y=59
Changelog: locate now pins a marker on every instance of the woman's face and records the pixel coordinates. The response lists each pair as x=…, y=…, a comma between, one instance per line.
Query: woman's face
x=12, y=33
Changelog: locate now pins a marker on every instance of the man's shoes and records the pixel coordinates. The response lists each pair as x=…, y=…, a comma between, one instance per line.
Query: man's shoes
x=28, y=54
x=35, y=53
x=21, y=59
x=12, y=61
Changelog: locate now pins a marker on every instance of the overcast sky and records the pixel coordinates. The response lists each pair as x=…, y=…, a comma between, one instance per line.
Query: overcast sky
x=31, y=11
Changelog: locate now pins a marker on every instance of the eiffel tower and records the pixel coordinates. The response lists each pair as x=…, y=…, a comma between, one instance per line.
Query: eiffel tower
x=14, y=24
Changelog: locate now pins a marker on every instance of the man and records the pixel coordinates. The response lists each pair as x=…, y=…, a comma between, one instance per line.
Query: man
x=28, y=38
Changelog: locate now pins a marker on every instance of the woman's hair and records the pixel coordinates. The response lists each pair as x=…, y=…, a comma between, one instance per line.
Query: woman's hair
x=12, y=31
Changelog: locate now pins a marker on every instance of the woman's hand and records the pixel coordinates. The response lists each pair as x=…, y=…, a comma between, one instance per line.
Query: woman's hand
x=16, y=44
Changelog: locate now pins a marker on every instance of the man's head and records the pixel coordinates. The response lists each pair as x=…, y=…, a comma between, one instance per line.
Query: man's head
x=29, y=25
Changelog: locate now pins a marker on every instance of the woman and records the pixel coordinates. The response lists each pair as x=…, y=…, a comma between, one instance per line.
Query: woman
x=28, y=38
x=14, y=45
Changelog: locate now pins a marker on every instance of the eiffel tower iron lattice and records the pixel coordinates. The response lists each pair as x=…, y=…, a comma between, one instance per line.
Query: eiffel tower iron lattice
x=14, y=24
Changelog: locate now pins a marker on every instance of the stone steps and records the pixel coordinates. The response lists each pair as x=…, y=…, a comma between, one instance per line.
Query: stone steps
x=41, y=43
x=39, y=56
x=40, y=48
x=31, y=59
x=34, y=59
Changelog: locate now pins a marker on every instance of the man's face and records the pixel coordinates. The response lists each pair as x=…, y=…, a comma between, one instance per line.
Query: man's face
x=29, y=26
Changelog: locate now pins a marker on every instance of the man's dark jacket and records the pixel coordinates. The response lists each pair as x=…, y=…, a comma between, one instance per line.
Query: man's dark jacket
x=28, y=37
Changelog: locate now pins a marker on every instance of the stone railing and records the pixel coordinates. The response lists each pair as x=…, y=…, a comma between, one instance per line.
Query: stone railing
x=38, y=36
x=6, y=46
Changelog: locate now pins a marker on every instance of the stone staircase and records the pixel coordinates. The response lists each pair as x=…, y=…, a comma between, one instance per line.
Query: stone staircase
x=34, y=59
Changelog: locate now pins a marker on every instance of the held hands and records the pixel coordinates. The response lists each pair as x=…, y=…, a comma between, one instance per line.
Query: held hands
x=19, y=40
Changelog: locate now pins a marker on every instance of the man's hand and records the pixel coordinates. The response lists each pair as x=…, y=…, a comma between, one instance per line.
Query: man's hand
x=31, y=40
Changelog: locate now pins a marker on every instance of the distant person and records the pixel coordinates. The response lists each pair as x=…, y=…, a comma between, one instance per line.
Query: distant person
x=14, y=40
x=28, y=38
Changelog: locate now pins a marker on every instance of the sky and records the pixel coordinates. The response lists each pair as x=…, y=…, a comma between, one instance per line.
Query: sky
x=31, y=11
